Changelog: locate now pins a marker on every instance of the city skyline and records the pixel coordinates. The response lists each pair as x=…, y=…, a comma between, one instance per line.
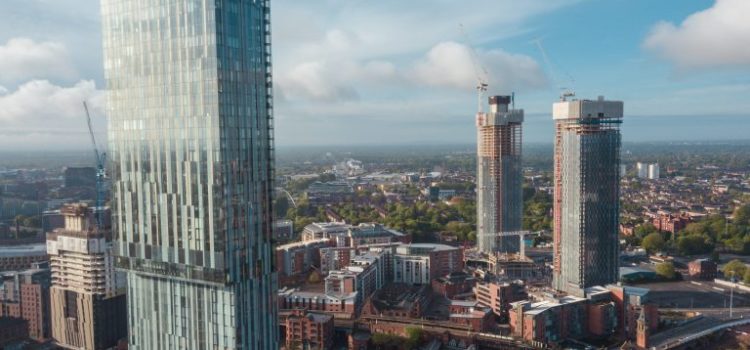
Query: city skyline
x=55, y=65
x=481, y=218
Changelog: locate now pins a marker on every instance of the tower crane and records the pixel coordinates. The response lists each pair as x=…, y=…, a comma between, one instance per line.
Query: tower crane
x=100, y=158
x=479, y=70
x=565, y=92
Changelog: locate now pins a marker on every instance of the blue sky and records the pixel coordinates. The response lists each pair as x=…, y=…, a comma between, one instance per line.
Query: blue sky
x=397, y=72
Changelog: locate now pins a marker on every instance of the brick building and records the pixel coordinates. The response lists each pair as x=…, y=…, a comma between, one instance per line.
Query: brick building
x=339, y=306
x=309, y=330
x=499, y=295
x=470, y=313
x=334, y=258
x=702, y=269
x=549, y=321
x=667, y=222
x=296, y=259
x=453, y=284
x=25, y=294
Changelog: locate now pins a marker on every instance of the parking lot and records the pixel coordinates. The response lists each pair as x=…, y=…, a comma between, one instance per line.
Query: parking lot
x=694, y=294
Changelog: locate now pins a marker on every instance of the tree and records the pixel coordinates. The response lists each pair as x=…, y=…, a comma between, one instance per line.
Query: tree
x=742, y=215
x=746, y=277
x=666, y=270
x=695, y=244
x=645, y=230
x=734, y=269
x=653, y=243
x=413, y=337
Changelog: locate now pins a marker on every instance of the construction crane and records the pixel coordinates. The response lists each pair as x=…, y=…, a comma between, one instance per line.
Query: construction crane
x=101, y=172
x=479, y=70
x=565, y=92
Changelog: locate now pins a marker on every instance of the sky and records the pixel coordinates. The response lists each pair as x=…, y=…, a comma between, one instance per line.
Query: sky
x=403, y=72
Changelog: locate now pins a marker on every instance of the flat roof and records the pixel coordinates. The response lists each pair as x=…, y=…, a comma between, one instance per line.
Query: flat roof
x=36, y=249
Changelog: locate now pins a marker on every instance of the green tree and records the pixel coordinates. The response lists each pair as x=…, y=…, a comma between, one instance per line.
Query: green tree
x=653, y=243
x=742, y=215
x=746, y=277
x=644, y=230
x=734, y=269
x=695, y=244
x=413, y=337
x=666, y=270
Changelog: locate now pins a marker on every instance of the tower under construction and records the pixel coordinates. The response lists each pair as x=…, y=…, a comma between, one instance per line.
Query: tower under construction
x=499, y=176
x=586, y=201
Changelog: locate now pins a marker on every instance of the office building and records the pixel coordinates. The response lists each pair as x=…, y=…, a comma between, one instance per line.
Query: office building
x=189, y=101
x=499, y=176
x=586, y=193
x=87, y=296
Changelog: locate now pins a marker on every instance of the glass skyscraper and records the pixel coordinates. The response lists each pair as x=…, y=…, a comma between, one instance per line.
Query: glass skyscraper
x=191, y=159
x=587, y=194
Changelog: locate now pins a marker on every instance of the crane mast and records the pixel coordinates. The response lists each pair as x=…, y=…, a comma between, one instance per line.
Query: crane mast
x=101, y=172
x=479, y=70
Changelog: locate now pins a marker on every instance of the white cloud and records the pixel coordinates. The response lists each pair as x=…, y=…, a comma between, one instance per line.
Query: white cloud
x=715, y=37
x=450, y=64
x=354, y=50
x=39, y=107
x=23, y=59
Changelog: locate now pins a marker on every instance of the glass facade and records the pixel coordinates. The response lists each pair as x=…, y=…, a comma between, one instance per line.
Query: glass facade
x=191, y=150
x=587, y=192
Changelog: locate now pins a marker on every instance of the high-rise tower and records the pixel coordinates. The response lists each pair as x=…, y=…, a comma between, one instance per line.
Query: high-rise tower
x=587, y=193
x=191, y=148
x=499, y=176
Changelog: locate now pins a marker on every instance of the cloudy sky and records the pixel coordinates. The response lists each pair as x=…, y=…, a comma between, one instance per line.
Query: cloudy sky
x=394, y=71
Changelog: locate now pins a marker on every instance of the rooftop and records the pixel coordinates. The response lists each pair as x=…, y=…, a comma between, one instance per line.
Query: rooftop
x=37, y=249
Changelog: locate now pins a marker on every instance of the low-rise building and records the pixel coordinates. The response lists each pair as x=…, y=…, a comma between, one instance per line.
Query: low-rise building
x=666, y=222
x=470, y=313
x=321, y=193
x=320, y=230
x=334, y=258
x=603, y=313
x=549, y=321
x=283, y=229
x=498, y=296
x=21, y=257
x=455, y=283
x=704, y=269
x=398, y=300
x=340, y=306
x=419, y=263
x=25, y=294
x=295, y=259
x=309, y=330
